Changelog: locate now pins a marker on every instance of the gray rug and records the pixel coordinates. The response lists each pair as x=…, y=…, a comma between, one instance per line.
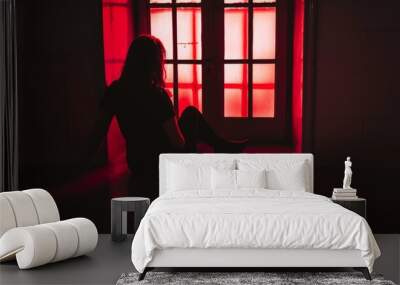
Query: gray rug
x=269, y=278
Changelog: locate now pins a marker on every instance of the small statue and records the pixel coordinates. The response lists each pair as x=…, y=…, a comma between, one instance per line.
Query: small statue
x=347, y=174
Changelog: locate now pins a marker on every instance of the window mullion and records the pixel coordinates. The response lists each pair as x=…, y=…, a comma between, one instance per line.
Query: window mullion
x=175, y=55
x=250, y=57
x=212, y=51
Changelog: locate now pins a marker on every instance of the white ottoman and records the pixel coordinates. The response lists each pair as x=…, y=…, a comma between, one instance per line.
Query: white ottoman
x=31, y=232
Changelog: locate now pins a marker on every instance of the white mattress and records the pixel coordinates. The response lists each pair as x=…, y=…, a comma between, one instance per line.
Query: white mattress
x=252, y=218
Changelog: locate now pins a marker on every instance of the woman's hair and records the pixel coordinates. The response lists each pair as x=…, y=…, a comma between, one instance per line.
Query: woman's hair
x=144, y=62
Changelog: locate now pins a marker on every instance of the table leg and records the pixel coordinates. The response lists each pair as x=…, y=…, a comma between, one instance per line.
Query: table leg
x=117, y=222
x=124, y=224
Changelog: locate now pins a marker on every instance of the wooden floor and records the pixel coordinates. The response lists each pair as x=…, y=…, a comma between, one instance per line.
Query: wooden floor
x=110, y=260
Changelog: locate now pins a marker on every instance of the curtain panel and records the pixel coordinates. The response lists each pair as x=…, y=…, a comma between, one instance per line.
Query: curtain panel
x=8, y=97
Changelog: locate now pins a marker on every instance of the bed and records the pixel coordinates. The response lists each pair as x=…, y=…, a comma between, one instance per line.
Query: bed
x=247, y=210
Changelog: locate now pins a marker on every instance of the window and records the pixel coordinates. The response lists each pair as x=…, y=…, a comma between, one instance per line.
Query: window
x=249, y=53
x=228, y=58
x=178, y=25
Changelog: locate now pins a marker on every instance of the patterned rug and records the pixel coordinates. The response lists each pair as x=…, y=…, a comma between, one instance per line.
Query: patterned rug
x=243, y=278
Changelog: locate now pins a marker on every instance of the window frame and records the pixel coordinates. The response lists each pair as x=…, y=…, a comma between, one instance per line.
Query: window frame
x=272, y=130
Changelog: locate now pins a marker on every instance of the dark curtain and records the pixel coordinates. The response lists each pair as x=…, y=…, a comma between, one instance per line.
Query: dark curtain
x=8, y=97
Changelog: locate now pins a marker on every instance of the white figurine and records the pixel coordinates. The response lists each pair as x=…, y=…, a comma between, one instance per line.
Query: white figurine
x=347, y=174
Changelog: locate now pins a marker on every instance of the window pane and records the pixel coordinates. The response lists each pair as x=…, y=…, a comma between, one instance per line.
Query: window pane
x=263, y=90
x=263, y=73
x=161, y=27
x=264, y=33
x=236, y=39
x=189, y=33
x=235, y=90
x=189, y=86
x=169, y=79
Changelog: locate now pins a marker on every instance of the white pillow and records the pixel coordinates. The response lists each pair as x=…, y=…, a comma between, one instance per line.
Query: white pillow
x=182, y=177
x=281, y=174
x=193, y=174
x=251, y=178
x=293, y=179
x=227, y=179
x=223, y=179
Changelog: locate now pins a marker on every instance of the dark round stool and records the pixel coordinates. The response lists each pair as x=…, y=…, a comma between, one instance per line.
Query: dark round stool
x=119, y=208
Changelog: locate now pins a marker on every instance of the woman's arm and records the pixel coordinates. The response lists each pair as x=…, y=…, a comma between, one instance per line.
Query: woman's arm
x=174, y=133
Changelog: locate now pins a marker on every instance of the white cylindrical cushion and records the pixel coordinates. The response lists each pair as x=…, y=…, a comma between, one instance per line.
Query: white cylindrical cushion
x=87, y=234
x=67, y=240
x=37, y=245
x=45, y=205
x=34, y=246
x=23, y=208
x=7, y=218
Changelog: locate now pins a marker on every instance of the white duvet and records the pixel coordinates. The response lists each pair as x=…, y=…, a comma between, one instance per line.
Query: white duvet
x=250, y=218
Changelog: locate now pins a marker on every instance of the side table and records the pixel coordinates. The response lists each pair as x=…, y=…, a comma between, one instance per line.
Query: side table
x=357, y=205
x=119, y=208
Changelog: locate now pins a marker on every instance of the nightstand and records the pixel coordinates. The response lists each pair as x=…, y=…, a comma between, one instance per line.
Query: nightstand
x=358, y=205
x=119, y=208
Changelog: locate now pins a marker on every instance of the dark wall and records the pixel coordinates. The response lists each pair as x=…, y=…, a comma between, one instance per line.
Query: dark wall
x=357, y=99
x=61, y=79
x=61, y=75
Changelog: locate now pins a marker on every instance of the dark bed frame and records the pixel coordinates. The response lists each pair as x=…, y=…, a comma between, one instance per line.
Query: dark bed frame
x=363, y=270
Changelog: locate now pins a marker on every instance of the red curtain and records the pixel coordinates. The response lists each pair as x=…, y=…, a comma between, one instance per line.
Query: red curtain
x=117, y=34
x=298, y=41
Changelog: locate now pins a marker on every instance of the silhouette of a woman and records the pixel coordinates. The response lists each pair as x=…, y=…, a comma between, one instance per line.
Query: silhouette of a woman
x=147, y=119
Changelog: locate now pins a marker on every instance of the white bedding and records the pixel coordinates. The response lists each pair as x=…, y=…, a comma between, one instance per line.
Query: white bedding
x=251, y=218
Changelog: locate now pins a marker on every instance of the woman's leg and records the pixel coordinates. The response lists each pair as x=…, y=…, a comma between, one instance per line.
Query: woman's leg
x=196, y=129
